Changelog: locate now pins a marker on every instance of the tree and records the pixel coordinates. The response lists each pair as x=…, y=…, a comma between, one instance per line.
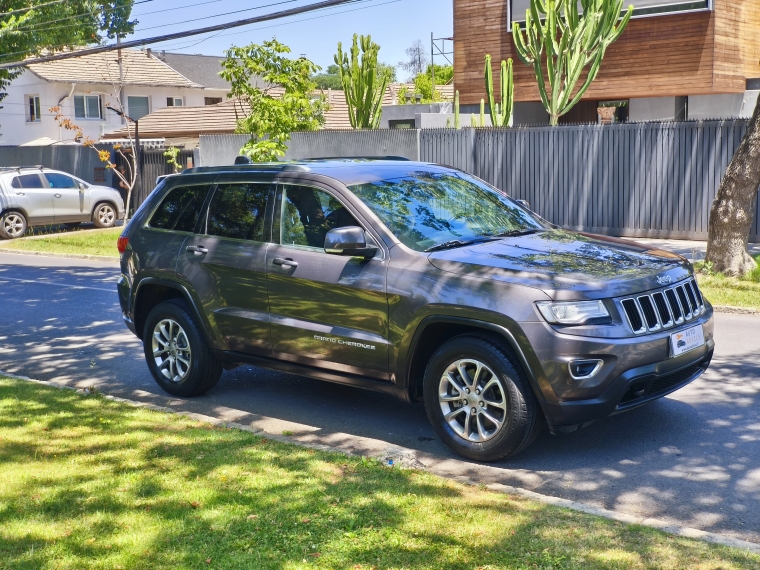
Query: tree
x=417, y=59
x=423, y=84
x=560, y=40
x=733, y=209
x=363, y=85
x=272, y=113
x=27, y=28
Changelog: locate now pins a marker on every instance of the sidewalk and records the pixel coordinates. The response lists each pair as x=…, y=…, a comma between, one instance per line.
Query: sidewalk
x=692, y=250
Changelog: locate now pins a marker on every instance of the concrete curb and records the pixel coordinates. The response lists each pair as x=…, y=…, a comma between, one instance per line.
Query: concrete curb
x=406, y=458
x=735, y=310
x=4, y=249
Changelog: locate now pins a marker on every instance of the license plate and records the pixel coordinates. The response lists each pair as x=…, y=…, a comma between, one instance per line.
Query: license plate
x=686, y=340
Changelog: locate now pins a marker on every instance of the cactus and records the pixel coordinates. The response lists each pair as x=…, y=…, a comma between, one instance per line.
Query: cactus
x=501, y=114
x=363, y=88
x=564, y=42
x=482, y=113
x=457, y=123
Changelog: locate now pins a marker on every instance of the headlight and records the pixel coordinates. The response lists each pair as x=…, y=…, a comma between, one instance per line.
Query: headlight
x=575, y=312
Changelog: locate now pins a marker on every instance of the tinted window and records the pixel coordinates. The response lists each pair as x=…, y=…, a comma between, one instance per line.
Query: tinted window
x=308, y=214
x=237, y=211
x=180, y=209
x=56, y=180
x=425, y=209
x=27, y=181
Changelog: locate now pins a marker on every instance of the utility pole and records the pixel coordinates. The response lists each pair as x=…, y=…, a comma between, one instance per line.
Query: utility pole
x=432, y=65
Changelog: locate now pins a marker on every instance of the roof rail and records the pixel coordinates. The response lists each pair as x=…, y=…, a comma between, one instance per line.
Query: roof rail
x=399, y=158
x=260, y=167
x=36, y=166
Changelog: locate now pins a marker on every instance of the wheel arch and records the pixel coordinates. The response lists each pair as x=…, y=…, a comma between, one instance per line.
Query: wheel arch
x=437, y=329
x=152, y=291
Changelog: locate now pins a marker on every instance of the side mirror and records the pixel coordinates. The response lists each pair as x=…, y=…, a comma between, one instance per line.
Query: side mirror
x=349, y=241
x=82, y=185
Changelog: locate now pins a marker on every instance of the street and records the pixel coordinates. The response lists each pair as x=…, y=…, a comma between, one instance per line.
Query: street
x=692, y=458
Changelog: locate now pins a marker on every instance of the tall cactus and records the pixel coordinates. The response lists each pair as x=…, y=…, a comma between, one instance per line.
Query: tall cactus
x=564, y=41
x=363, y=88
x=501, y=114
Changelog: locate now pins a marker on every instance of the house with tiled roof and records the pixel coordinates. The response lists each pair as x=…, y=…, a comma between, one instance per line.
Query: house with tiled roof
x=84, y=88
x=182, y=127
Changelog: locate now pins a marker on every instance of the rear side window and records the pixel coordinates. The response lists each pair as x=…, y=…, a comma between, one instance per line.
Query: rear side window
x=27, y=181
x=237, y=211
x=180, y=209
x=56, y=180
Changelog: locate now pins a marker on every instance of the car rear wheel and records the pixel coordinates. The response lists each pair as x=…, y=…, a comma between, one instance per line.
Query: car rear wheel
x=12, y=225
x=104, y=216
x=177, y=353
x=478, y=399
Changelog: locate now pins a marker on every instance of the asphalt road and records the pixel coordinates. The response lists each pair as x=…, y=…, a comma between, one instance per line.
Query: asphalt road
x=692, y=458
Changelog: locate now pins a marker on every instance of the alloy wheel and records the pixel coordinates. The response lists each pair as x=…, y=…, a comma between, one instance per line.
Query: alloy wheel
x=171, y=350
x=13, y=224
x=106, y=215
x=472, y=400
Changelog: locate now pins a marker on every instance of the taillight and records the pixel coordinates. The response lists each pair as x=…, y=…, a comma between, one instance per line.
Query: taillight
x=122, y=243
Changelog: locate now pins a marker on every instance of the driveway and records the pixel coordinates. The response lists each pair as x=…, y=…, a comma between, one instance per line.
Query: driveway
x=692, y=458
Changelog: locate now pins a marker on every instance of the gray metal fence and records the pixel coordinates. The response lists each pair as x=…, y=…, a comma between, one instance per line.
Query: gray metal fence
x=77, y=160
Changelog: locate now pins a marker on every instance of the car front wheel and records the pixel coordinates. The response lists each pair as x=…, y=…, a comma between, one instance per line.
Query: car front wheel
x=478, y=399
x=104, y=216
x=12, y=225
x=177, y=353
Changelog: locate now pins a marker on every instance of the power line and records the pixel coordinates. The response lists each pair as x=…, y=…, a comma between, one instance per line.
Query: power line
x=27, y=9
x=179, y=35
x=36, y=25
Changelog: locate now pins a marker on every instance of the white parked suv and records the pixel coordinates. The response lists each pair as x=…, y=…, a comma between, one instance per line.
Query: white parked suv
x=37, y=196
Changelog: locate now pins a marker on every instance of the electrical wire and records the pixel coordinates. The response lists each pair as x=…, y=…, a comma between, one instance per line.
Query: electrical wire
x=47, y=23
x=178, y=35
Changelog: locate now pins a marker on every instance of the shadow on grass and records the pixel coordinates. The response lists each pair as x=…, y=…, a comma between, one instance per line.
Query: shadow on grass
x=87, y=483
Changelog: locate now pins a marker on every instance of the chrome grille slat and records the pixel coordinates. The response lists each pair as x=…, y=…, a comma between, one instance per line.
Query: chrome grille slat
x=665, y=308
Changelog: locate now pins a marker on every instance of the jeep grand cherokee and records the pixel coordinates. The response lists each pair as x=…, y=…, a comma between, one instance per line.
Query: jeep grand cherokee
x=411, y=279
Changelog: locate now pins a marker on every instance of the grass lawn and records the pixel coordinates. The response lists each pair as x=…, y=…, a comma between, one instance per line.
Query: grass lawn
x=89, y=483
x=84, y=242
x=722, y=290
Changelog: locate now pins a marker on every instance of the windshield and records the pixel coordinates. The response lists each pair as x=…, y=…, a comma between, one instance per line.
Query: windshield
x=427, y=209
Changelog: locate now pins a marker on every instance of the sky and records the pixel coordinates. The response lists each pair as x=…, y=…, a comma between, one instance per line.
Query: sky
x=393, y=24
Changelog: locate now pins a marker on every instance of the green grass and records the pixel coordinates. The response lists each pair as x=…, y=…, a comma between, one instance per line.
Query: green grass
x=88, y=483
x=83, y=242
x=730, y=291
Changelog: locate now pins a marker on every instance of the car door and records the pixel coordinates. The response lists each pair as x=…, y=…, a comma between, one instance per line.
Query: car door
x=225, y=264
x=68, y=198
x=33, y=196
x=325, y=310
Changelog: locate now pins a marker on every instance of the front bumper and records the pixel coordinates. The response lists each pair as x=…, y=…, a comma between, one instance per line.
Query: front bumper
x=634, y=371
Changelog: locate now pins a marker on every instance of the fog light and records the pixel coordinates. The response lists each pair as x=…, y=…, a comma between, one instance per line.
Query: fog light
x=582, y=369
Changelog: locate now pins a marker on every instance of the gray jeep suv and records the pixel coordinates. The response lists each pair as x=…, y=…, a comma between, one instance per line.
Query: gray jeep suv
x=411, y=279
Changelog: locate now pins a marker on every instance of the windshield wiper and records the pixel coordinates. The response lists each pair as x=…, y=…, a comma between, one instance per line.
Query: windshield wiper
x=451, y=244
x=516, y=233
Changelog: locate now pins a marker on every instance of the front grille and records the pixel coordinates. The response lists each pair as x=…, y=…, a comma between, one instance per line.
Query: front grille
x=642, y=389
x=665, y=308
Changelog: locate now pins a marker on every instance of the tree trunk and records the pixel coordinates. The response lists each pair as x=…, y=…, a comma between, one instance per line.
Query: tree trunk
x=733, y=210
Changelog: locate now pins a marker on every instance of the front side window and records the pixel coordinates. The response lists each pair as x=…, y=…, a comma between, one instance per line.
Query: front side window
x=27, y=181
x=56, y=180
x=87, y=107
x=180, y=209
x=427, y=209
x=238, y=211
x=307, y=214
x=33, y=112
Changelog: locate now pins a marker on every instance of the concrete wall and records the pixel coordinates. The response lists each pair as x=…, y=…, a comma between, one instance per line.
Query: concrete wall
x=410, y=112
x=16, y=128
x=734, y=105
x=526, y=113
x=657, y=109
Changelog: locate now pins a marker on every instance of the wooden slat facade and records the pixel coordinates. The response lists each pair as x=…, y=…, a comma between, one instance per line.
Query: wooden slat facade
x=682, y=54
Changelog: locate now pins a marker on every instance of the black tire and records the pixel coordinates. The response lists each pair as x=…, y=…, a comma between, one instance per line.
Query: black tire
x=520, y=414
x=13, y=224
x=104, y=215
x=203, y=371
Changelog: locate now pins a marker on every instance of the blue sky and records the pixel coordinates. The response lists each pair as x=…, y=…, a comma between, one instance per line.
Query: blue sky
x=394, y=24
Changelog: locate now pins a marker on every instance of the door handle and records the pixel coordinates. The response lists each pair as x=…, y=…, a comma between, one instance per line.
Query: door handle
x=57, y=195
x=197, y=249
x=284, y=262
x=20, y=193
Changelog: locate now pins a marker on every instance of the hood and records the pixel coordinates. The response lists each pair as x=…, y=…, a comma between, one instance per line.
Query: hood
x=567, y=264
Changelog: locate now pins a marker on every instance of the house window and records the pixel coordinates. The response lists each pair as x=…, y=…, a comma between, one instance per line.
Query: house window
x=33, y=114
x=175, y=102
x=212, y=100
x=138, y=107
x=88, y=107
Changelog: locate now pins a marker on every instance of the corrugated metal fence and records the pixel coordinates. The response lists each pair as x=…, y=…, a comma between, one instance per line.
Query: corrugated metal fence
x=153, y=163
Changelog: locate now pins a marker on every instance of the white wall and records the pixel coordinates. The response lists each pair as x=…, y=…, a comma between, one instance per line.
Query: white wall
x=723, y=106
x=15, y=129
